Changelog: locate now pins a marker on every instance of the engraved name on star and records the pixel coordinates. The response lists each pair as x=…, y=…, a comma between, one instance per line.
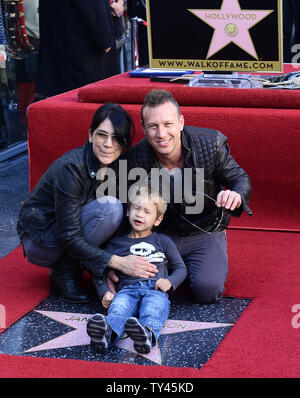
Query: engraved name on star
x=231, y=25
x=78, y=336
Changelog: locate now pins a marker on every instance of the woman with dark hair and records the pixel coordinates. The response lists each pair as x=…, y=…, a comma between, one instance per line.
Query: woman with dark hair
x=62, y=225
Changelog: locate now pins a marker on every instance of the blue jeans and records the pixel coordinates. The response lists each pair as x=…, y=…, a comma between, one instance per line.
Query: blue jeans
x=140, y=300
x=99, y=219
x=206, y=259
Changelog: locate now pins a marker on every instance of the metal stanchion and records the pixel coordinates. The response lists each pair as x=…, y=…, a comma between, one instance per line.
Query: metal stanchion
x=134, y=43
x=135, y=40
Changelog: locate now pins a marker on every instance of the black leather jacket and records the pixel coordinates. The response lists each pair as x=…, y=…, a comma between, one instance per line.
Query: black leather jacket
x=52, y=214
x=207, y=149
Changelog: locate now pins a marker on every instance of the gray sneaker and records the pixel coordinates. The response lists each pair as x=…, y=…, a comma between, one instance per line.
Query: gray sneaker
x=141, y=336
x=100, y=332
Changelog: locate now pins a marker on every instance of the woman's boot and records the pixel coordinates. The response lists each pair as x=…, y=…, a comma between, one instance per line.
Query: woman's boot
x=65, y=277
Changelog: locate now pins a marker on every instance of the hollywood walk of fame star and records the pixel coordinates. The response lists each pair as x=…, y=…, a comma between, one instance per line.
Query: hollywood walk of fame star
x=78, y=336
x=231, y=25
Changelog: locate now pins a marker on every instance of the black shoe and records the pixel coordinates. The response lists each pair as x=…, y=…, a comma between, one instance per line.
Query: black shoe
x=100, y=332
x=141, y=336
x=65, y=279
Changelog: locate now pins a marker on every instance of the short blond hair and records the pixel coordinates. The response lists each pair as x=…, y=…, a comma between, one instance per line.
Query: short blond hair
x=146, y=190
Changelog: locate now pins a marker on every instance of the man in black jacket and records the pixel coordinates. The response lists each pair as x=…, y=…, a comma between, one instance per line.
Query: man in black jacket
x=200, y=234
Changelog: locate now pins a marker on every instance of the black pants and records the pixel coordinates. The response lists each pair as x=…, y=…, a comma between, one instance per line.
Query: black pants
x=207, y=262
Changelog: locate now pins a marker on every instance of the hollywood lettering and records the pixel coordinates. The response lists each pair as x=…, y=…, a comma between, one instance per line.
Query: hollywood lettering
x=189, y=189
x=230, y=16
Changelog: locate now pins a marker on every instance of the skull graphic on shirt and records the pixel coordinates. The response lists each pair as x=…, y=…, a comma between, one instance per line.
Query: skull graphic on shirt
x=147, y=251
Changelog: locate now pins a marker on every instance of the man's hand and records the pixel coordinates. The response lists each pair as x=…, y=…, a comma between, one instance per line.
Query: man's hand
x=231, y=200
x=107, y=299
x=107, y=50
x=163, y=284
x=117, y=8
x=133, y=266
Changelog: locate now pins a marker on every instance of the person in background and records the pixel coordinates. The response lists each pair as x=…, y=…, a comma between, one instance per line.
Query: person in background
x=31, y=9
x=77, y=43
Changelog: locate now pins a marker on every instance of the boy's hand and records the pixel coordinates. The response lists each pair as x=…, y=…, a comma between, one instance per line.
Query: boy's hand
x=112, y=279
x=163, y=285
x=107, y=299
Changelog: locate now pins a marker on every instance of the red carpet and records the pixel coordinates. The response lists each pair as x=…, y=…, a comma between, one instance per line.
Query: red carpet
x=263, y=266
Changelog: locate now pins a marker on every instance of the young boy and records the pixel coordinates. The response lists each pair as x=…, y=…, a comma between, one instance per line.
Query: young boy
x=145, y=298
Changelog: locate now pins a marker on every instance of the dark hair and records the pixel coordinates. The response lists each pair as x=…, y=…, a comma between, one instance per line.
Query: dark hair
x=159, y=97
x=121, y=121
